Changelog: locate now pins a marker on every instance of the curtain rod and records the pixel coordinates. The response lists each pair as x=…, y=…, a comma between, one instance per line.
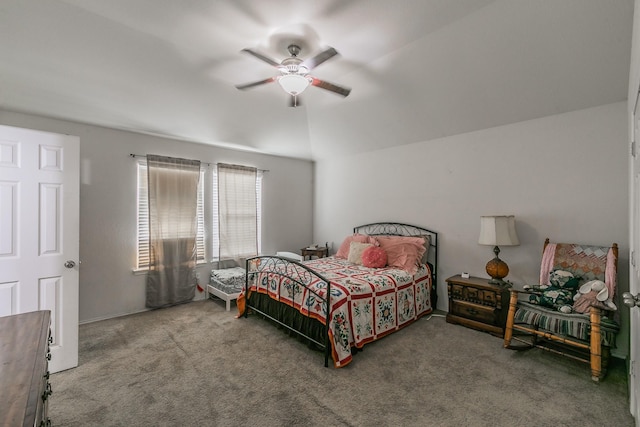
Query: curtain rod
x=204, y=163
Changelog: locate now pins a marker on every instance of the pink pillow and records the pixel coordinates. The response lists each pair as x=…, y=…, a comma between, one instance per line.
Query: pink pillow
x=403, y=252
x=343, y=251
x=374, y=257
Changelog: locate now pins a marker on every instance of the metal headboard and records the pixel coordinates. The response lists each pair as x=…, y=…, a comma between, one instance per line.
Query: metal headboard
x=399, y=229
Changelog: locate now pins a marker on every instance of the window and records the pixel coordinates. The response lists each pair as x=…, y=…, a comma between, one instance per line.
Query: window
x=245, y=216
x=142, y=262
x=143, y=219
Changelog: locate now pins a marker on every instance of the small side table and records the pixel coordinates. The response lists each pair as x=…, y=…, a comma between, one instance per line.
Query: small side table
x=320, y=252
x=477, y=304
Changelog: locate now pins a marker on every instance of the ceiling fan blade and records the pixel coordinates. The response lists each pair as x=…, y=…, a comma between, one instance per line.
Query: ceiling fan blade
x=261, y=57
x=294, y=101
x=312, y=63
x=250, y=85
x=340, y=90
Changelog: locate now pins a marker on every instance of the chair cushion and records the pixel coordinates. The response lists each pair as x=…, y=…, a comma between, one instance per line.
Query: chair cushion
x=228, y=280
x=572, y=325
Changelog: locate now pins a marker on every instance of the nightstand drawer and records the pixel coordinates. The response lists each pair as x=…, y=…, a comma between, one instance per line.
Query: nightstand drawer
x=491, y=298
x=473, y=311
x=473, y=294
x=456, y=291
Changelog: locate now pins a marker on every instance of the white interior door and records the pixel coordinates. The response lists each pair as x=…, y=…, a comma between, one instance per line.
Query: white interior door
x=634, y=282
x=39, y=233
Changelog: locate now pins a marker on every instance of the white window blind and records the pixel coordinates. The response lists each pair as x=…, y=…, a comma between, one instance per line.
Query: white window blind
x=247, y=220
x=143, y=219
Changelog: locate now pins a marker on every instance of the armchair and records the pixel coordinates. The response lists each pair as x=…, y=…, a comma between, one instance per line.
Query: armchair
x=572, y=311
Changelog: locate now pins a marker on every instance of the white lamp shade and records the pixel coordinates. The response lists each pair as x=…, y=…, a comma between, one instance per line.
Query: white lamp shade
x=293, y=84
x=498, y=231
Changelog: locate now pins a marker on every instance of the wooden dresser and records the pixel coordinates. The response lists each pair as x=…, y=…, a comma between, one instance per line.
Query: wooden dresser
x=24, y=373
x=475, y=303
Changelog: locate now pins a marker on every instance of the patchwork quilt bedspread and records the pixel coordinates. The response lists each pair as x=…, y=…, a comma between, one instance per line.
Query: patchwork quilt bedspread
x=366, y=303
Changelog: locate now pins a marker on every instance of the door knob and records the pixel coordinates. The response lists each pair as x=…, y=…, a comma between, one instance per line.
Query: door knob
x=630, y=300
x=70, y=264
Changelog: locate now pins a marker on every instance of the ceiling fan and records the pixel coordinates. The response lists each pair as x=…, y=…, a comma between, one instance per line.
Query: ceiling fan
x=294, y=77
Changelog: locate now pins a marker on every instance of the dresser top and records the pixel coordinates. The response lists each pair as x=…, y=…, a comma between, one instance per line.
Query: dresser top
x=23, y=344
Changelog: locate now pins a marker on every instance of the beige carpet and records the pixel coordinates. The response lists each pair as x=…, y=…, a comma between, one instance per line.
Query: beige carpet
x=195, y=364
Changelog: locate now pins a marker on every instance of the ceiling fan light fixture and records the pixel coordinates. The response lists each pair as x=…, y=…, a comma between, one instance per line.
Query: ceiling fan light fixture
x=293, y=84
x=293, y=76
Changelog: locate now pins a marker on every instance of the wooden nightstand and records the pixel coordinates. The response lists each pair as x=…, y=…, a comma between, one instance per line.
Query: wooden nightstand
x=476, y=303
x=320, y=252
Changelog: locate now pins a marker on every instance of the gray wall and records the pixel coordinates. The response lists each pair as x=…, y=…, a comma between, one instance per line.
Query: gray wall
x=108, y=287
x=564, y=177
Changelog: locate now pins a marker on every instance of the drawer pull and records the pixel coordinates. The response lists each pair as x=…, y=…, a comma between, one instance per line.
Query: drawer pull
x=48, y=356
x=50, y=339
x=473, y=311
x=46, y=375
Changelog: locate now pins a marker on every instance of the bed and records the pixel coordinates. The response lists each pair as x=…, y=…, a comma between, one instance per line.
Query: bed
x=226, y=284
x=365, y=303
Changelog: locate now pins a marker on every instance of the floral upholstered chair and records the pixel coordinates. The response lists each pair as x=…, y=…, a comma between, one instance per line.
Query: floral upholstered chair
x=572, y=311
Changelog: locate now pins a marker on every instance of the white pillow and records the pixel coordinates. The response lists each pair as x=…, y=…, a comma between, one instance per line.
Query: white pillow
x=355, y=252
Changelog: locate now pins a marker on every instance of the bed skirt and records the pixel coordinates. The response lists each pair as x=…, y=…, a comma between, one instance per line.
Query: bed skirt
x=311, y=328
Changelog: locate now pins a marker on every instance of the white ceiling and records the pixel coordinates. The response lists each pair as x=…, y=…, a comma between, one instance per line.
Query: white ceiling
x=418, y=69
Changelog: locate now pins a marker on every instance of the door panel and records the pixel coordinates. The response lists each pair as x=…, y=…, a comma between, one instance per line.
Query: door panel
x=50, y=290
x=8, y=298
x=39, y=213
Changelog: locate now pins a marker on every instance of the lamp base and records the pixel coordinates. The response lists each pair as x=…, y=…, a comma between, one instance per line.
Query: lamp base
x=497, y=269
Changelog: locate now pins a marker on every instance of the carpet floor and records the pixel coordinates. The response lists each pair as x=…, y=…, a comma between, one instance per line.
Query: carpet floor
x=195, y=364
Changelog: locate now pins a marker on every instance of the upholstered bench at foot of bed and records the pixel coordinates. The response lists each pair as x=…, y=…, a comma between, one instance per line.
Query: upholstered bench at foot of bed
x=226, y=284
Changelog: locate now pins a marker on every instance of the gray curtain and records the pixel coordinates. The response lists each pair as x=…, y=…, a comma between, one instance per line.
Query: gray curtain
x=173, y=201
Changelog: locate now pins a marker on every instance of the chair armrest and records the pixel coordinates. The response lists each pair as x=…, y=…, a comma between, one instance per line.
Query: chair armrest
x=529, y=292
x=525, y=292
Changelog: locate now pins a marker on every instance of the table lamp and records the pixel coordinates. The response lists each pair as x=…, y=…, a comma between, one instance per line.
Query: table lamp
x=498, y=231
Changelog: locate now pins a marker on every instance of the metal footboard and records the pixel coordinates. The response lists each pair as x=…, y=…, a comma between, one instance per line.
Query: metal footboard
x=296, y=279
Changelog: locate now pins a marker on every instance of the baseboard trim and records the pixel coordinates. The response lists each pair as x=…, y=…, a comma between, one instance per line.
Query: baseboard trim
x=114, y=316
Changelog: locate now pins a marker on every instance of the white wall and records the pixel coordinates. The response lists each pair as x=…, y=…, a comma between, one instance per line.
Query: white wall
x=108, y=287
x=563, y=177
